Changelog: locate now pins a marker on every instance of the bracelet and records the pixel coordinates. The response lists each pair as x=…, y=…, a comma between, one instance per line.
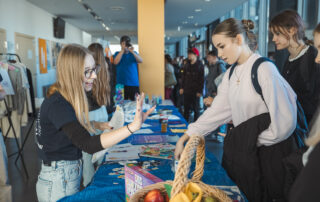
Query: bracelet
x=129, y=129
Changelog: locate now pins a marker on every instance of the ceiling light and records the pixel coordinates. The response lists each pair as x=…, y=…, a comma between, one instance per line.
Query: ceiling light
x=117, y=8
x=196, y=24
x=190, y=17
x=107, y=28
x=80, y=1
x=103, y=25
x=207, y=0
x=198, y=10
x=116, y=37
x=179, y=28
x=185, y=22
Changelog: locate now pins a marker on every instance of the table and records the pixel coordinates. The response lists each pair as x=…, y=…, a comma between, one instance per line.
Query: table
x=105, y=187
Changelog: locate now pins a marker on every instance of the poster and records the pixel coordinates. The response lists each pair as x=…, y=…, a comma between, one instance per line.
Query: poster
x=55, y=49
x=43, y=56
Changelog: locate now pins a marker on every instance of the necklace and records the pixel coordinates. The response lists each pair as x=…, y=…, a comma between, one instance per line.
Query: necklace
x=238, y=77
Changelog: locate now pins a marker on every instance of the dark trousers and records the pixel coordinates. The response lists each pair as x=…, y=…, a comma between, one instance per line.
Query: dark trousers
x=191, y=102
x=130, y=92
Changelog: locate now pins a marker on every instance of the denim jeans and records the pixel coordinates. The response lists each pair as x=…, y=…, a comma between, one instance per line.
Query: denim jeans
x=60, y=179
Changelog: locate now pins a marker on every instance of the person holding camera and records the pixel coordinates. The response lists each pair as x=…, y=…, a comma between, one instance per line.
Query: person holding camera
x=126, y=62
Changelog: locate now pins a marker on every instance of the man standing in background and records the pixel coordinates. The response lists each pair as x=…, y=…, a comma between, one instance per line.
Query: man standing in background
x=126, y=62
x=192, y=84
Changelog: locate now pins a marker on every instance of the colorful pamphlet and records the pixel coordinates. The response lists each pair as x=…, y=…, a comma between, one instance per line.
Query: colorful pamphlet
x=162, y=151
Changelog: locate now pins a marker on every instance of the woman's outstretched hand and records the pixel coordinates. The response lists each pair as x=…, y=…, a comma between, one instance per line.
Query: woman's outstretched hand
x=140, y=116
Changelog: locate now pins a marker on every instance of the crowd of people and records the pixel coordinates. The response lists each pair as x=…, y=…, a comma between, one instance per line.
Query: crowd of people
x=257, y=99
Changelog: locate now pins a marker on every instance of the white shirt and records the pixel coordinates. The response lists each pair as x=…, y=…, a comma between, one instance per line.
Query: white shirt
x=239, y=102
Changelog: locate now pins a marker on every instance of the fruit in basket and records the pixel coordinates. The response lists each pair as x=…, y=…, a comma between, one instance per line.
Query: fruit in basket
x=154, y=196
x=209, y=199
x=194, y=192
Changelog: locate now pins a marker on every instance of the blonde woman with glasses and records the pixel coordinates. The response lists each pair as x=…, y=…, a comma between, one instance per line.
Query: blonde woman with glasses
x=63, y=126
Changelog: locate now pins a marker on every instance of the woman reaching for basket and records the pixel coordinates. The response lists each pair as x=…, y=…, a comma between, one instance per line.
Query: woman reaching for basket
x=253, y=150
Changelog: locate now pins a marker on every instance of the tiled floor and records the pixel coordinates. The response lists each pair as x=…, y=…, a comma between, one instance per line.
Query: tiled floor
x=23, y=189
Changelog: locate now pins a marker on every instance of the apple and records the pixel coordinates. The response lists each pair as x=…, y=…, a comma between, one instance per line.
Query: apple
x=154, y=196
x=166, y=197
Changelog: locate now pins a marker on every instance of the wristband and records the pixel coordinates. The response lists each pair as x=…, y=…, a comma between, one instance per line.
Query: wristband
x=129, y=129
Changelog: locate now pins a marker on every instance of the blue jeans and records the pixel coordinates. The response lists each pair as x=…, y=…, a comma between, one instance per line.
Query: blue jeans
x=60, y=179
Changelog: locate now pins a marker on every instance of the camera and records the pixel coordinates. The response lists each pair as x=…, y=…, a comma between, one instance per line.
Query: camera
x=128, y=44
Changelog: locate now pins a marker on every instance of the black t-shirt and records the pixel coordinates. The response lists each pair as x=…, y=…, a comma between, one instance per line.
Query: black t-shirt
x=54, y=144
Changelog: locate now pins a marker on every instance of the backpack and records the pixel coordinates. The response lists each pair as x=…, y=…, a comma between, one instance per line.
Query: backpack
x=301, y=131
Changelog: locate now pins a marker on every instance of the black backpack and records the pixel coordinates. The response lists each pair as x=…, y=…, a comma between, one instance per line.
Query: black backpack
x=301, y=131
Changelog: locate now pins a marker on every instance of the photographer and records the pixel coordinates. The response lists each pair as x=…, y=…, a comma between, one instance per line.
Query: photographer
x=127, y=69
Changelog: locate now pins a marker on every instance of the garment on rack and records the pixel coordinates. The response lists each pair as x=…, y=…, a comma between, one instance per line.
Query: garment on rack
x=18, y=100
x=6, y=83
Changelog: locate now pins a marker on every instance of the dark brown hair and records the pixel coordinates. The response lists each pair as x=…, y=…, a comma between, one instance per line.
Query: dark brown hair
x=286, y=20
x=101, y=85
x=232, y=27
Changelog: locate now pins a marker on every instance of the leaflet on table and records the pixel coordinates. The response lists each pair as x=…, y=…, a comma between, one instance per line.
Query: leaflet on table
x=118, y=149
x=233, y=192
x=178, y=130
x=170, y=117
x=147, y=139
x=144, y=131
x=162, y=151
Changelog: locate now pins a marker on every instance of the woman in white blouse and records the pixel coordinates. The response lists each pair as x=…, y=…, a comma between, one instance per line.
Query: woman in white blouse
x=237, y=99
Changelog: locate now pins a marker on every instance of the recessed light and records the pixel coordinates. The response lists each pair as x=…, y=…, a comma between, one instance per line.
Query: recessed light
x=196, y=24
x=117, y=8
x=190, y=17
x=207, y=0
x=198, y=10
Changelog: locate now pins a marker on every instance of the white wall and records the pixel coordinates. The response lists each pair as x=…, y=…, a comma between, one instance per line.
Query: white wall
x=24, y=17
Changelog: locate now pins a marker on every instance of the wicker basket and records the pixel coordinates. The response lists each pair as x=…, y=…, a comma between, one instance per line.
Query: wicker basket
x=181, y=176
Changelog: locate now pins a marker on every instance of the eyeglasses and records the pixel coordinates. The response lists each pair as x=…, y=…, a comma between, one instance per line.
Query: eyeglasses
x=88, y=72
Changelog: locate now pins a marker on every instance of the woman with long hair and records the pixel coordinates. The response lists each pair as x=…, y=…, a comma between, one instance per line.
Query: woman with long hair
x=306, y=186
x=98, y=100
x=300, y=69
x=63, y=126
x=262, y=136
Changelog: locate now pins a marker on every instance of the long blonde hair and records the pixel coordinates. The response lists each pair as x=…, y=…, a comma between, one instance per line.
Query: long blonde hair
x=70, y=81
x=101, y=86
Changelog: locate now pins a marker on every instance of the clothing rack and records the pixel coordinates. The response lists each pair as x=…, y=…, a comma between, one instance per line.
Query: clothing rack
x=8, y=115
x=11, y=54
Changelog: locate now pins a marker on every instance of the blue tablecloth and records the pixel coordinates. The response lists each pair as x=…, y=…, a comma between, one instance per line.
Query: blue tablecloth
x=105, y=187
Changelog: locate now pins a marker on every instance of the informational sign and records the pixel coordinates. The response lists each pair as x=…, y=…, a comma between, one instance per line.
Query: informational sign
x=43, y=56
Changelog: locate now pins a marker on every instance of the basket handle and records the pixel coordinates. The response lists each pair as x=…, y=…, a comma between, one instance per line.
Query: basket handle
x=181, y=176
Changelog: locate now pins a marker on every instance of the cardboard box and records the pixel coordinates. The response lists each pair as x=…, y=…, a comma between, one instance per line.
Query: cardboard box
x=136, y=178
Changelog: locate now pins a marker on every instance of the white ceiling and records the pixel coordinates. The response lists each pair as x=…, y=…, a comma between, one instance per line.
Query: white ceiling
x=124, y=21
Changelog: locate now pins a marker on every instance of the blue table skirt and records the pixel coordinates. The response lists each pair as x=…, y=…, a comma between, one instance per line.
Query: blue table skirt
x=105, y=187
